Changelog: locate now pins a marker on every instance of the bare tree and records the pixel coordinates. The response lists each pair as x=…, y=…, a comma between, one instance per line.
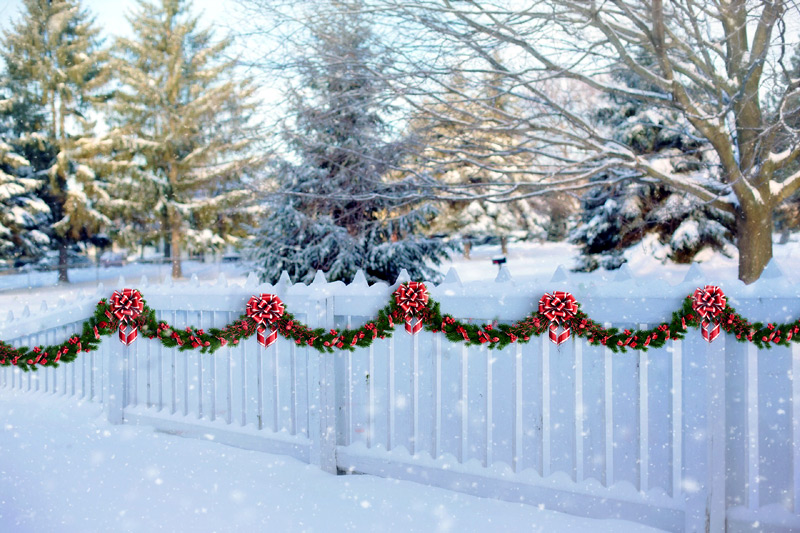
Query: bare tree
x=711, y=61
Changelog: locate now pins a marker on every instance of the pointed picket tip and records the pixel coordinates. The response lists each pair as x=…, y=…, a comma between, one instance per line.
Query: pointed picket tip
x=222, y=280
x=695, y=274
x=168, y=281
x=623, y=273
x=143, y=281
x=26, y=311
x=100, y=288
x=503, y=275
x=62, y=302
x=285, y=280
x=194, y=281
x=251, y=281
x=402, y=277
x=360, y=279
x=452, y=277
x=43, y=307
x=121, y=282
x=560, y=274
x=10, y=316
x=319, y=278
x=772, y=270
x=81, y=294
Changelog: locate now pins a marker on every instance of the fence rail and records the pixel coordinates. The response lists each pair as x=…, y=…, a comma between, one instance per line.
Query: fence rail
x=690, y=437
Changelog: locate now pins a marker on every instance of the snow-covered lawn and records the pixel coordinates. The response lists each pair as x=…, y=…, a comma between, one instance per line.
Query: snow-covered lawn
x=65, y=469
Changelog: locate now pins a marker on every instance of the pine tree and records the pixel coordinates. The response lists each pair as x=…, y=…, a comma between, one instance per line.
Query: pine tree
x=182, y=141
x=341, y=211
x=618, y=216
x=56, y=71
x=22, y=213
x=474, y=130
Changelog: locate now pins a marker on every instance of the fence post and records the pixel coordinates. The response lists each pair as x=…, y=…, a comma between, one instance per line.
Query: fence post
x=322, y=387
x=718, y=436
x=116, y=382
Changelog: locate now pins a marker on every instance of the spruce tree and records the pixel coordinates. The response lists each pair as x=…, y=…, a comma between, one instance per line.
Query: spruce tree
x=23, y=214
x=55, y=72
x=617, y=216
x=337, y=208
x=181, y=138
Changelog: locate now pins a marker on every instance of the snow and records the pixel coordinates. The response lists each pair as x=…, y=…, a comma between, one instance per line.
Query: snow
x=66, y=469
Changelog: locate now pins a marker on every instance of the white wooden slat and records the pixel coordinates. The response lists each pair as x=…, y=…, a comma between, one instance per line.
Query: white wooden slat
x=293, y=385
x=260, y=387
x=517, y=459
x=644, y=420
x=391, y=435
x=371, y=404
x=546, y=437
x=463, y=454
x=608, y=402
x=796, y=427
x=677, y=418
x=276, y=383
x=753, y=454
x=228, y=384
x=415, y=437
x=579, y=409
x=437, y=381
x=489, y=457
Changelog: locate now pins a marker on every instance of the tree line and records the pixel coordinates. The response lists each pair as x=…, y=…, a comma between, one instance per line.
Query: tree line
x=400, y=123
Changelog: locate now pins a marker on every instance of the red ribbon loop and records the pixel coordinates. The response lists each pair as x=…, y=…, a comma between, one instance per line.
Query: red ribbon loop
x=709, y=302
x=412, y=298
x=559, y=308
x=265, y=310
x=126, y=306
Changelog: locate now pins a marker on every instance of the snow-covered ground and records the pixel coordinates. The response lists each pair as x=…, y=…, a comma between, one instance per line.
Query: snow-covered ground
x=65, y=469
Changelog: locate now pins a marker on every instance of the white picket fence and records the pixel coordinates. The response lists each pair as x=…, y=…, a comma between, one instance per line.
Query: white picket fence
x=689, y=437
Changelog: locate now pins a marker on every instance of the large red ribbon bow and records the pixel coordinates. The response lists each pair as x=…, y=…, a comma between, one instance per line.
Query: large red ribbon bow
x=709, y=302
x=559, y=308
x=126, y=306
x=265, y=309
x=412, y=298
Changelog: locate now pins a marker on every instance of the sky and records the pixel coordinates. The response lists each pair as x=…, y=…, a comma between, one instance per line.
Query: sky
x=111, y=13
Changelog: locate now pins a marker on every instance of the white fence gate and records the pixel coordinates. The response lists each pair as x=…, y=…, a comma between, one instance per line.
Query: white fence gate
x=690, y=437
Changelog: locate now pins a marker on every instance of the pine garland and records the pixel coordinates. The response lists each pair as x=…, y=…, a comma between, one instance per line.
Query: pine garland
x=495, y=336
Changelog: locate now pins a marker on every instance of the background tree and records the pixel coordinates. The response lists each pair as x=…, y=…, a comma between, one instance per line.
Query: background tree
x=182, y=138
x=618, y=216
x=55, y=72
x=22, y=213
x=705, y=62
x=341, y=213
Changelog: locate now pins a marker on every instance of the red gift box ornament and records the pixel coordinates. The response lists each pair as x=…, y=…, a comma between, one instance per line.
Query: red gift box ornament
x=265, y=310
x=559, y=308
x=412, y=299
x=709, y=302
x=125, y=306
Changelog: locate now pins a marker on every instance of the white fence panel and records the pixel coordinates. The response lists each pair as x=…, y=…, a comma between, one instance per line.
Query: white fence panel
x=689, y=437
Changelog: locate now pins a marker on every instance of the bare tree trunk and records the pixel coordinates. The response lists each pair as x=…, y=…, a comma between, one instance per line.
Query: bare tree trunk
x=63, y=276
x=504, y=244
x=754, y=228
x=467, y=248
x=176, y=252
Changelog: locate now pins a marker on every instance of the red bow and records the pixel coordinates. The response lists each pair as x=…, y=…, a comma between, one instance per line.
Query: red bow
x=559, y=308
x=709, y=302
x=126, y=306
x=265, y=309
x=412, y=298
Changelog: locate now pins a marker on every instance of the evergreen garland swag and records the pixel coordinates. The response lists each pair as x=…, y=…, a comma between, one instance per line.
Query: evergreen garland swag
x=707, y=309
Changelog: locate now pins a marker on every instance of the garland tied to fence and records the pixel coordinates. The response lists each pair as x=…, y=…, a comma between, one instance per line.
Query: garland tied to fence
x=411, y=304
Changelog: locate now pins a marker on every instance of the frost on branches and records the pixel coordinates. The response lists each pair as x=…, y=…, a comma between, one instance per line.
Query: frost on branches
x=336, y=206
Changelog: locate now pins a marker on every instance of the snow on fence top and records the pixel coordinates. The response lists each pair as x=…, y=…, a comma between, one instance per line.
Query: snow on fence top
x=627, y=299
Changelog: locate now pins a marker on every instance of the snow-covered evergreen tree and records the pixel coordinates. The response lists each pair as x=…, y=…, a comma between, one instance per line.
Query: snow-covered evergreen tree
x=182, y=140
x=55, y=72
x=22, y=213
x=481, y=158
x=342, y=211
x=616, y=216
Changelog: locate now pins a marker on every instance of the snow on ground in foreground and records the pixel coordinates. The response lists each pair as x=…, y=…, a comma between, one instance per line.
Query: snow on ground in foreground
x=64, y=468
